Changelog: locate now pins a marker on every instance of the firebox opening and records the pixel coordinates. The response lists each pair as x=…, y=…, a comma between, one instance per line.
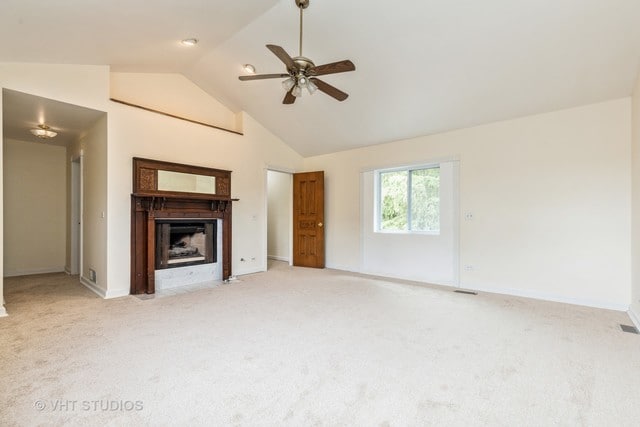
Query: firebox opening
x=186, y=243
x=182, y=244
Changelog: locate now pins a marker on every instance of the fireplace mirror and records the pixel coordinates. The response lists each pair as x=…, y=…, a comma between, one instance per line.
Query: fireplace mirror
x=186, y=182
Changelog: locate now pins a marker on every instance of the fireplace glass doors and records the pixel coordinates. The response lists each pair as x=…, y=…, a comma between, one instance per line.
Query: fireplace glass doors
x=180, y=243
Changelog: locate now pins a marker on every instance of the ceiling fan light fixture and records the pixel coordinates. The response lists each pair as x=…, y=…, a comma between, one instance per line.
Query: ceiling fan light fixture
x=249, y=68
x=311, y=87
x=43, y=132
x=297, y=91
x=288, y=84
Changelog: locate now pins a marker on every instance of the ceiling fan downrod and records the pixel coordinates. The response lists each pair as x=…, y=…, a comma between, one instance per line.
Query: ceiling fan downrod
x=302, y=5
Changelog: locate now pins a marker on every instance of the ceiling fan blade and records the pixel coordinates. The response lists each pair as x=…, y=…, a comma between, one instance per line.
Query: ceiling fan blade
x=333, y=68
x=289, y=98
x=263, y=76
x=283, y=56
x=330, y=90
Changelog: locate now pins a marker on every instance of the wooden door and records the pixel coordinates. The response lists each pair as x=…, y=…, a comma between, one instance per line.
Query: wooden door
x=308, y=219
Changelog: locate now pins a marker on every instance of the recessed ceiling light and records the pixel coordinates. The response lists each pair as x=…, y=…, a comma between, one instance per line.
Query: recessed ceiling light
x=189, y=42
x=249, y=68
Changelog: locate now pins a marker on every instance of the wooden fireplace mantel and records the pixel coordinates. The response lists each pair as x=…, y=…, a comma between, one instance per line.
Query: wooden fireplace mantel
x=149, y=204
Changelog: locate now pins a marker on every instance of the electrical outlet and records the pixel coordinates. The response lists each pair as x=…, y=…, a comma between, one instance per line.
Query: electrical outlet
x=92, y=275
x=468, y=216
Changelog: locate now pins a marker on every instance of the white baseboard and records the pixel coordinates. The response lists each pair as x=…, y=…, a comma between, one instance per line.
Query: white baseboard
x=15, y=273
x=3, y=311
x=518, y=293
x=408, y=278
x=93, y=287
x=242, y=272
x=108, y=294
x=117, y=293
x=635, y=317
x=278, y=258
x=550, y=297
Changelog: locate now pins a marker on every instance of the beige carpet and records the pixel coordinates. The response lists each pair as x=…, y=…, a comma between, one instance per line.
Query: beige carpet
x=308, y=347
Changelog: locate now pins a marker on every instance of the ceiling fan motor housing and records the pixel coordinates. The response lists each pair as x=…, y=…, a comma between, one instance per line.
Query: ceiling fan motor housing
x=303, y=64
x=302, y=4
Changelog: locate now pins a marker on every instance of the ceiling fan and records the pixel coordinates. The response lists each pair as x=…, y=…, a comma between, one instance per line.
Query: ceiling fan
x=302, y=72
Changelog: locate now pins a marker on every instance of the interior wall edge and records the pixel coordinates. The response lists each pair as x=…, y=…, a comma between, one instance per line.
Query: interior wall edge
x=634, y=316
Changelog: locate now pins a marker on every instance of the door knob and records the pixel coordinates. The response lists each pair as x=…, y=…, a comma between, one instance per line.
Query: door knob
x=319, y=224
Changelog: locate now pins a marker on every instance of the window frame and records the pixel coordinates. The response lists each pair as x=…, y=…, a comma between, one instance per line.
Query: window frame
x=377, y=226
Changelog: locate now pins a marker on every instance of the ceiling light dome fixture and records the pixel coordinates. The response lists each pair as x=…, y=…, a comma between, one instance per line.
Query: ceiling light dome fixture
x=189, y=42
x=44, y=132
x=249, y=68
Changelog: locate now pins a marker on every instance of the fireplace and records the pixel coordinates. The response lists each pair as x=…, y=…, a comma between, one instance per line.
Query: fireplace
x=180, y=234
x=182, y=243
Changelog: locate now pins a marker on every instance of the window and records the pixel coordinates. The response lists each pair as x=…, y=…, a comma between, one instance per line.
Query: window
x=409, y=200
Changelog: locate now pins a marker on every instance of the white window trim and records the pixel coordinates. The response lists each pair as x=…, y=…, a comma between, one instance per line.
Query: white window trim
x=378, y=198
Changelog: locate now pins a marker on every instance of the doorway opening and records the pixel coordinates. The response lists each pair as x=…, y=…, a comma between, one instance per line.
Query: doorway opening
x=279, y=217
x=44, y=185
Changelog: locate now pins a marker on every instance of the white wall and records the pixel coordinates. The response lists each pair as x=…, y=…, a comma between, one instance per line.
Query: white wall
x=550, y=195
x=279, y=208
x=133, y=132
x=138, y=133
x=35, y=208
x=93, y=147
x=635, y=235
x=172, y=93
x=431, y=258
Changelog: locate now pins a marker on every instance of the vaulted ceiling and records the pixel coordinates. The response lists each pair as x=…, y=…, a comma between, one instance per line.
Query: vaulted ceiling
x=423, y=66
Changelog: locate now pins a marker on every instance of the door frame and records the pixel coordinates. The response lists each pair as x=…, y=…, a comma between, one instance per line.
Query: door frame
x=76, y=217
x=265, y=234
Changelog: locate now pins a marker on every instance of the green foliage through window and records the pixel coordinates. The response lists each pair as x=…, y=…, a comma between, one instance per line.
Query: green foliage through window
x=410, y=200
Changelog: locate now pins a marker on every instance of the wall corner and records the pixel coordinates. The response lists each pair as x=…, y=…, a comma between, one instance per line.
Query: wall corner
x=634, y=314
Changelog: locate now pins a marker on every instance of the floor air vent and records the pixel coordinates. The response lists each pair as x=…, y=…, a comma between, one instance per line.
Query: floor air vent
x=629, y=328
x=466, y=292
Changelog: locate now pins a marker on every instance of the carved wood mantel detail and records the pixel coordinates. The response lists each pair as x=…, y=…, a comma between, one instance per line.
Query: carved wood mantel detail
x=148, y=204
